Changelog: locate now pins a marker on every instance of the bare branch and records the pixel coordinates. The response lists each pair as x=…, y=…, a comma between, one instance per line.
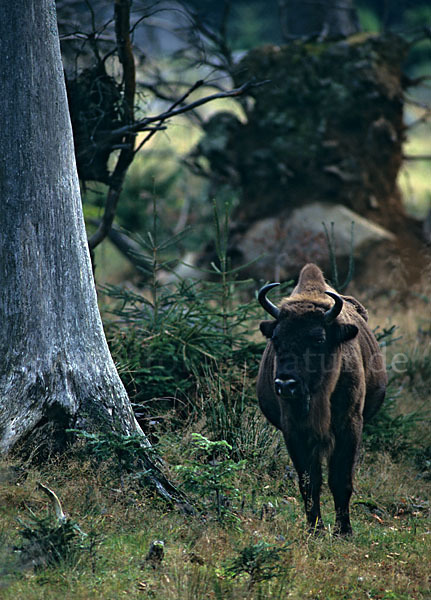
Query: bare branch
x=194, y=87
x=125, y=54
x=423, y=119
x=417, y=157
x=56, y=504
x=418, y=103
x=135, y=127
x=123, y=138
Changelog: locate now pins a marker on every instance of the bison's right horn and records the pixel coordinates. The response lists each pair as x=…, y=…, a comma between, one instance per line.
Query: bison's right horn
x=267, y=304
x=334, y=311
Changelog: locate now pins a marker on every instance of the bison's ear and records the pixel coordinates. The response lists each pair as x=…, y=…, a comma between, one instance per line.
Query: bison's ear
x=267, y=328
x=346, y=332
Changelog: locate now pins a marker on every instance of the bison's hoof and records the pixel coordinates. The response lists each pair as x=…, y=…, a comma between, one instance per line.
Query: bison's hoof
x=317, y=528
x=343, y=531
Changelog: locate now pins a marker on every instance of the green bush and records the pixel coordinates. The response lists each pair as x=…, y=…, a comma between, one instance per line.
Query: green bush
x=46, y=541
x=166, y=348
x=187, y=350
x=209, y=474
x=390, y=430
x=261, y=562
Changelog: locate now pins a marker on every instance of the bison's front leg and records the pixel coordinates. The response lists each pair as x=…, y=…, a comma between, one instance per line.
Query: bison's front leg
x=307, y=462
x=341, y=470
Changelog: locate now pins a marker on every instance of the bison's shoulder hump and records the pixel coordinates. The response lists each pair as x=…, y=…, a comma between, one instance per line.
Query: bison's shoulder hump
x=360, y=309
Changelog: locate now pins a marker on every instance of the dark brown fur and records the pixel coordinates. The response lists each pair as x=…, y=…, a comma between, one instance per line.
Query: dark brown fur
x=342, y=373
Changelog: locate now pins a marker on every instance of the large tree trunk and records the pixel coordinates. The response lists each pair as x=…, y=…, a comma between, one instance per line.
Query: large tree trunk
x=56, y=371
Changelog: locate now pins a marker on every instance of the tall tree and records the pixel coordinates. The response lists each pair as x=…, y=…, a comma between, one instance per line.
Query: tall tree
x=56, y=371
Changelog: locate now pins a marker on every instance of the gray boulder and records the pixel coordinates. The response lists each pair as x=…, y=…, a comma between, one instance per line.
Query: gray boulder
x=280, y=246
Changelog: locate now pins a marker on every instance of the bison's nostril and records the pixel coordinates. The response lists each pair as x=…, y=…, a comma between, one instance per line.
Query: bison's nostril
x=278, y=383
x=285, y=385
x=291, y=384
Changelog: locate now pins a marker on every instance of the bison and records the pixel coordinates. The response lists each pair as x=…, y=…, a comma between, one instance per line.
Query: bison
x=321, y=376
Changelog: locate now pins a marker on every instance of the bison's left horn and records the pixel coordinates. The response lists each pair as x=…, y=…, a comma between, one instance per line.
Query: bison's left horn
x=267, y=304
x=334, y=311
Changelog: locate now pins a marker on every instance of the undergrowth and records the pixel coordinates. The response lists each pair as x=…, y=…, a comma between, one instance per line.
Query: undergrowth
x=188, y=350
x=188, y=354
x=266, y=552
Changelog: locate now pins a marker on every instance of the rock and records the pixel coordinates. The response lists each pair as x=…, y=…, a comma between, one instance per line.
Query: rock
x=281, y=245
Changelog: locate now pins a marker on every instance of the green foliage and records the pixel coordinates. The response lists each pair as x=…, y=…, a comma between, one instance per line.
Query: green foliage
x=163, y=345
x=369, y=20
x=187, y=345
x=209, y=474
x=231, y=413
x=385, y=336
x=390, y=430
x=157, y=176
x=419, y=57
x=150, y=176
x=47, y=541
x=417, y=366
x=387, y=430
x=261, y=561
x=423, y=461
x=253, y=24
x=125, y=450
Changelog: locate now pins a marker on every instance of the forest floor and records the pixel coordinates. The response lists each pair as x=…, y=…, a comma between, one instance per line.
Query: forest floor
x=386, y=559
x=253, y=546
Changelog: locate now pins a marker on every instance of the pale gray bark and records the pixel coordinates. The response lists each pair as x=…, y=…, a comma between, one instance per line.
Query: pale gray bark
x=56, y=371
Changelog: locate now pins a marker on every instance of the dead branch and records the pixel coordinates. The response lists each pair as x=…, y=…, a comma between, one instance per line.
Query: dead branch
x=125, y=54
x=56, y=504
x=123, y=138
x=194, y=87
x=417, y=157
x=135, y=127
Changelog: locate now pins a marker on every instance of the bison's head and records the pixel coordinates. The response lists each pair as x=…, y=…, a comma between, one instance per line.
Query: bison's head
x=305, y=334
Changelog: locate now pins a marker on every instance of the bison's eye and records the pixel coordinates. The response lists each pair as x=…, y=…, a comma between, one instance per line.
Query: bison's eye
x=317, y=337
x=317, y=343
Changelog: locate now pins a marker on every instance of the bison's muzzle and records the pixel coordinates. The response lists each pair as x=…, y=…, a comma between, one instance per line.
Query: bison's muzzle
x=286, y=388
x=291, y=391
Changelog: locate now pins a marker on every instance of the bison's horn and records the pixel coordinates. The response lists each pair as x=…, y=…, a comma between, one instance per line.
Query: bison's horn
x=334, y=311
x=267, y=304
